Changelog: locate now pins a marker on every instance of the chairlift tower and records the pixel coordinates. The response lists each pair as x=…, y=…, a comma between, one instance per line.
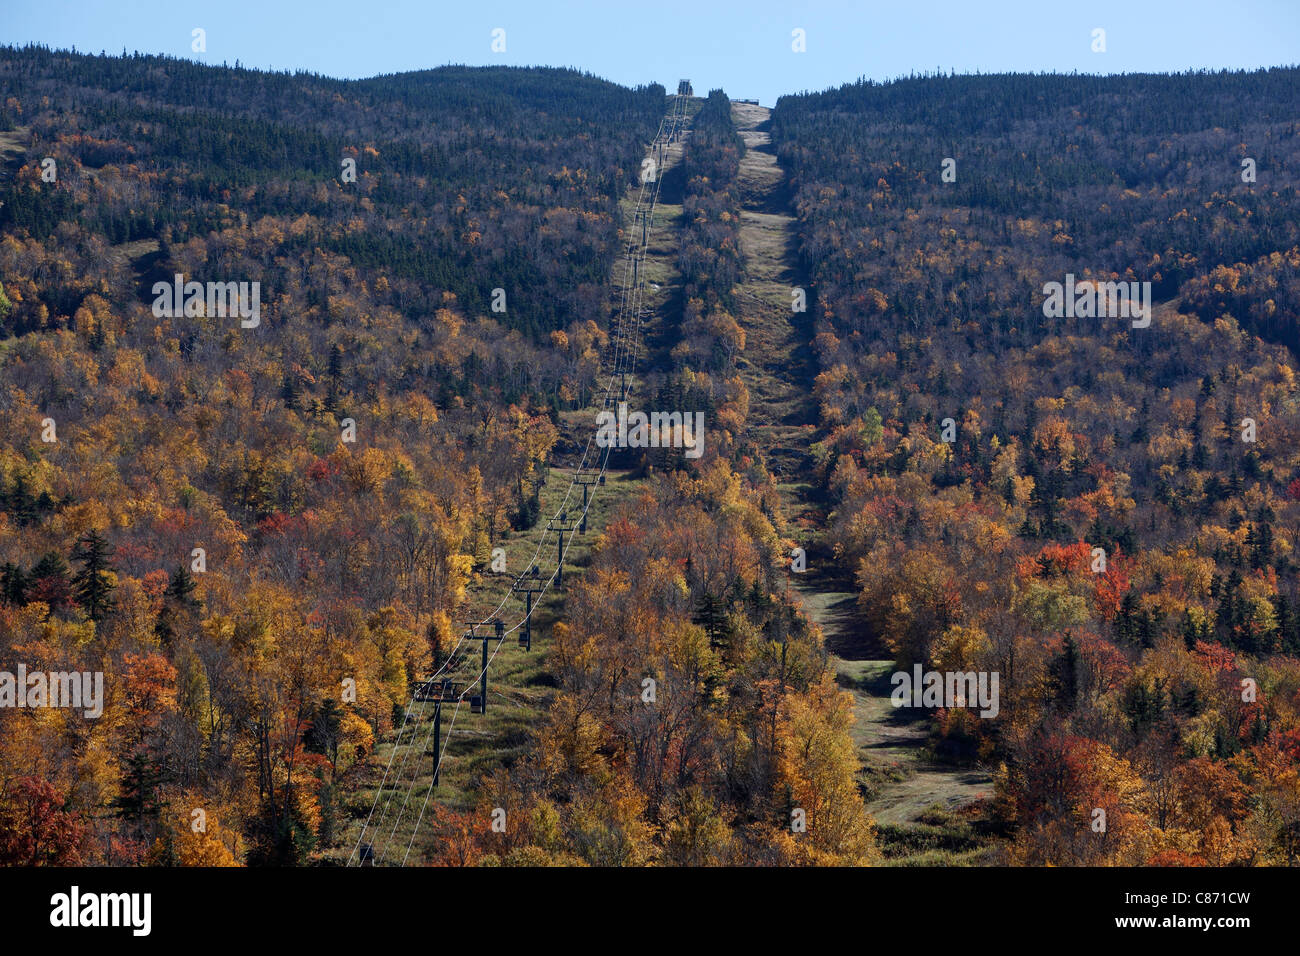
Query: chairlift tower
x=437, y=692
x=587, y=481
x=560, y=524
x=528, y=584
x=478, y=702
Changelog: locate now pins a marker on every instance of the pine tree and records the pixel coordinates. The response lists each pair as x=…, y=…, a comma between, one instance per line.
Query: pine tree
x=1288, y=625
x=181, y=587
x=139, y=801
x=163, y=628
x=93, y=584
x=48, y=581
x=1127, y=628
x=323, y=735
x=13, y=585
x=20, y=502
x=1065, y=674
x=290, y=391
x=335, y=372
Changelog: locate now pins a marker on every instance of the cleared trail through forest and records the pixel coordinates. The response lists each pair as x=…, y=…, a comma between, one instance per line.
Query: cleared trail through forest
x=517, y=685
x=13, y=144
x=778, y=367
x=135, y=255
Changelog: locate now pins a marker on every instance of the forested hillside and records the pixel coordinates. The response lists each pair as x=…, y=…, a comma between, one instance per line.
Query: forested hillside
x=696, y=716
x=230, y=520
x=466, y=179
x=977, y=452
x=267, y=531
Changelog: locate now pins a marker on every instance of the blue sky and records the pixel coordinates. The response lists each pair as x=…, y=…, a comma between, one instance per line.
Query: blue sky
x=744, y=47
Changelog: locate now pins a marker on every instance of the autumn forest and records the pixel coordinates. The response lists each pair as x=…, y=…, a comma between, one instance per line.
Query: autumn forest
x=363, y=589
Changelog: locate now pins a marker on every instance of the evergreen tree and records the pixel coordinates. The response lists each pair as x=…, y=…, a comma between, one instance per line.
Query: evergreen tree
x=13, y=585
x=93, y=584
x=181, y=587
x=140, y=800
x=49, y=581
x=323, y=734
x=1064, y=670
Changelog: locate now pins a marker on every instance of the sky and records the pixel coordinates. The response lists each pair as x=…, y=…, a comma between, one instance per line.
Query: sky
x=746, y=48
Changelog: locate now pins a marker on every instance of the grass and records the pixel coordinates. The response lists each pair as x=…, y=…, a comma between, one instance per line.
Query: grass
x=914, y=801
x=519, y=692
x=937, y=838
x=520, y=688
x=13, y=142
x=911, y=797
